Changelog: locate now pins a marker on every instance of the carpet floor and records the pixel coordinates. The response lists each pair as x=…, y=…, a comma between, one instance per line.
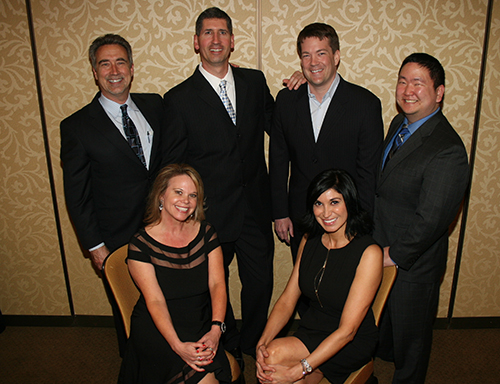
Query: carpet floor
x=90, y=355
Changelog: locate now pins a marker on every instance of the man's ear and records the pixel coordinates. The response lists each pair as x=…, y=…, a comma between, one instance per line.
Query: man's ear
x=439, y=93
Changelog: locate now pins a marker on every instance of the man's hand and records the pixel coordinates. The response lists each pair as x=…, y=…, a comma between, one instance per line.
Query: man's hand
x=295, y=81
x=98, y=255
x=284, y=228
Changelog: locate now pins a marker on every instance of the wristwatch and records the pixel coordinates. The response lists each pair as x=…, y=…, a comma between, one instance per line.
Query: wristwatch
x=306, y=367
x=221, y=324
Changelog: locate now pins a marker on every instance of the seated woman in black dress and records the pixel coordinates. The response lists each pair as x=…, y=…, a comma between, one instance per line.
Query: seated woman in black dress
x=177, y=264
x=339, y=269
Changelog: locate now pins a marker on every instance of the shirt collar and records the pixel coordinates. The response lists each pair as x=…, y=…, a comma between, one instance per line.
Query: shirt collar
x=214, y=80
x=329, y=93
x=417, y=124
x=114, y=108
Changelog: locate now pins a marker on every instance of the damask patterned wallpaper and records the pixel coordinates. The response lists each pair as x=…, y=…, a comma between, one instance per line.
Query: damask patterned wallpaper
x=375, y=36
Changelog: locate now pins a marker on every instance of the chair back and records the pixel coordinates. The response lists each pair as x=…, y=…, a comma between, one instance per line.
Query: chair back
x=388, y=278
x=123, y=287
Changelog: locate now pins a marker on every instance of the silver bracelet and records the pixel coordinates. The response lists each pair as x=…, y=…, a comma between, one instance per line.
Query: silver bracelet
x=306, y=367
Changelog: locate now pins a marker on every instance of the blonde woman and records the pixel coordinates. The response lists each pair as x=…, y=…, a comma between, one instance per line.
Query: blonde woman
x=176, y=262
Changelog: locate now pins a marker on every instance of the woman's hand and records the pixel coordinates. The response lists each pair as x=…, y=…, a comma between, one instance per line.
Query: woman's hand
x=210, y=341
x=196, y=355
x=285, y=375
x=264, y=371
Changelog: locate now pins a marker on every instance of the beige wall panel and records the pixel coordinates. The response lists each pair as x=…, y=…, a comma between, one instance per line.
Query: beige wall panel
x=31, y=276
x=479, y=283
x=375, y=36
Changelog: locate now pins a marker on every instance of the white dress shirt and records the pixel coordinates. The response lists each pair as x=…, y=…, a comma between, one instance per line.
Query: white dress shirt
x=215, y=83
x=143, y=128
x=318, y=110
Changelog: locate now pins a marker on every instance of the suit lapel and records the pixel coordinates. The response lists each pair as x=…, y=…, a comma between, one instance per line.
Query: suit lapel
x=412, y=144
x=241, y=96
x=102, y=125
x=152, y=118
x=208, y=95
x=335, y=111
x=303, y=115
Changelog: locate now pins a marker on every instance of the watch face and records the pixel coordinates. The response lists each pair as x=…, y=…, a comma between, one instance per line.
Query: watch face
x=222, y=325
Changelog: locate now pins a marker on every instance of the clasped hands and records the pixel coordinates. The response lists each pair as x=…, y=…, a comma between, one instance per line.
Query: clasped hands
x=273, y=373
x=200, y=353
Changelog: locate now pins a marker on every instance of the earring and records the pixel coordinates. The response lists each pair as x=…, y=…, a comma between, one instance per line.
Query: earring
x=161, y=206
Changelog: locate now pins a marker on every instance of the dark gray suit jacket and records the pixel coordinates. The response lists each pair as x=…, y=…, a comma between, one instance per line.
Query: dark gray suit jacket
x=105, y=183
x=351, y=139
x=418, y=196
x=229, y=158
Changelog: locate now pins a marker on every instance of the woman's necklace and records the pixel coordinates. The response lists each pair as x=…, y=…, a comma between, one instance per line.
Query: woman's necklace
x=319, y=277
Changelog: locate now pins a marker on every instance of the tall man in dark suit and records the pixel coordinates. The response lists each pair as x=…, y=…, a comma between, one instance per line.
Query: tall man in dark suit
x=421, y=183
x=108, y=168
x=327, y=123
x=219, y=116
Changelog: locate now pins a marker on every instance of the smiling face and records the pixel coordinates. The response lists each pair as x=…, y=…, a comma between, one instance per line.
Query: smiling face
x=113, y=72
x=415, y=92
x=214, y=45
x=180, y=198
x=331, y=212
x=319, y=63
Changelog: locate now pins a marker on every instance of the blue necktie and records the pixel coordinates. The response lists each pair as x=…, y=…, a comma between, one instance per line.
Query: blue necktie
x=226, y=101
x=132, y=135
x=398, y=142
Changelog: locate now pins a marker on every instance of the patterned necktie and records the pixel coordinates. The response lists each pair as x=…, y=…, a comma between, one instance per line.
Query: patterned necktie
x=398, y=142
x=226, y=101
x=132, y=135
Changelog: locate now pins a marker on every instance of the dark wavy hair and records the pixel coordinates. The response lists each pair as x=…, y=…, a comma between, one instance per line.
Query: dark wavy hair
x=358, y=222
x=109, y=39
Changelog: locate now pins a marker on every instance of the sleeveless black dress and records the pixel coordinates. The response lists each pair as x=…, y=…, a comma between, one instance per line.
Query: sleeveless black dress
x=323, y=317
x=182, y=274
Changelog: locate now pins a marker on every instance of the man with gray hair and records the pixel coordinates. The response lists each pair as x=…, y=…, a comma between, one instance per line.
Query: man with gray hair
x=110, y=153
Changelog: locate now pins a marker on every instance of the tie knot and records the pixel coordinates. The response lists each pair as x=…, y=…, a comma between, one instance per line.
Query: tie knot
x=223, y=84
x=404, y=130
x=124, y=109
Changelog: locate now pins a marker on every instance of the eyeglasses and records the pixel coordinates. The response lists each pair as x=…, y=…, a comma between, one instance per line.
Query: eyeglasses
x=319, y=278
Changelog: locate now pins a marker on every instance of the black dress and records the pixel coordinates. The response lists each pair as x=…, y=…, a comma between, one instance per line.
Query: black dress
x=323, y=317
x=182, y=274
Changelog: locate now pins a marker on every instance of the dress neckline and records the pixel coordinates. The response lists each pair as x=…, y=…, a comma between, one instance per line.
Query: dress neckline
x=333, y=249
x=168, y=247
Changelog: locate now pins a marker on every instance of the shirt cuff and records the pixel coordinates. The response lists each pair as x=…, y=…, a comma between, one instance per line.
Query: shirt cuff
x=97, y=247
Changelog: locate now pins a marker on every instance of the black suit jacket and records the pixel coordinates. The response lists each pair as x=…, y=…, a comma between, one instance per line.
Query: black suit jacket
x=418, y=196
x=351, y=139
x=229, y=158
x=105, y=183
